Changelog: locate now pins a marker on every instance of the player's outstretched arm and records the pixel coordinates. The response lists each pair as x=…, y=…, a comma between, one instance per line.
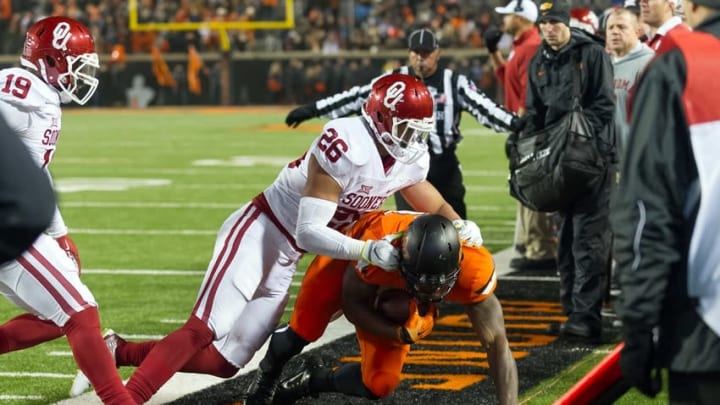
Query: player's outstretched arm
x=487, y=321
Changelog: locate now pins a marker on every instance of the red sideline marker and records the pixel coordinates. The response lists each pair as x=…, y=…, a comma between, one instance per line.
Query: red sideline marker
x=602, y=385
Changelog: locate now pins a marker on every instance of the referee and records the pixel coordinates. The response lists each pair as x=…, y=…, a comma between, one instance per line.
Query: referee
x=453, y=93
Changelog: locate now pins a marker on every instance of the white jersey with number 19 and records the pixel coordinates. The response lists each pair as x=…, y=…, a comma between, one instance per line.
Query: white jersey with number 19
x=31, y=109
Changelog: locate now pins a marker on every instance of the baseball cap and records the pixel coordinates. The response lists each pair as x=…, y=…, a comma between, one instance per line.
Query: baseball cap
x=525, y=9
x=422, y=40
x=555, y=10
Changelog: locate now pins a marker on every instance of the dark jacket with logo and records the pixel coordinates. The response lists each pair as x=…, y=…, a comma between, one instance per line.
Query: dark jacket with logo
x=656, y=212
x=550, y=86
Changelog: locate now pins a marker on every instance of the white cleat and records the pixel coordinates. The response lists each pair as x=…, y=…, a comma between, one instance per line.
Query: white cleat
x=81, y=383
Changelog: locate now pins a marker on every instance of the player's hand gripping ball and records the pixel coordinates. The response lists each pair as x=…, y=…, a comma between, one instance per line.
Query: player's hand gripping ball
x=394, y=304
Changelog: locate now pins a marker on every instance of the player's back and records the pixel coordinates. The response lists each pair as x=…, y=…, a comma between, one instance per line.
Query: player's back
x=32, y=110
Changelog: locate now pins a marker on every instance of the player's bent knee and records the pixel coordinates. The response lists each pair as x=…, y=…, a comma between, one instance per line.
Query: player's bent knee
x=381, y=383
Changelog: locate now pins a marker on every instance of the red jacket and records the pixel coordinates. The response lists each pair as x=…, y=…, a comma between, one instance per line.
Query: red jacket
x=513, y=75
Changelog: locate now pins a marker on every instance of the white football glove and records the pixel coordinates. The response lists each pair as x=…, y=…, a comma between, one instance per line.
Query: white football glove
x=469, y=232
x=382, y=253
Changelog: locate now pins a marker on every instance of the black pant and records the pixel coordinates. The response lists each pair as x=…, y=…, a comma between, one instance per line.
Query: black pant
x=583, y=254
x=446, y=176
x=694, y=388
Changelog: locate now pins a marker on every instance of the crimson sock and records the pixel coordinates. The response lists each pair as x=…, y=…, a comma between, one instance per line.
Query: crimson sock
x=210, y=361
x=94, y=359
x=168, y=357
x=132, y=353
x=26, y=330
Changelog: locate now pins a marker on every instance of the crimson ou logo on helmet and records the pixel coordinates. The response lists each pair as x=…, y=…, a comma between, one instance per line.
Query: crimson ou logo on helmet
x=61, y=36
x=394, y=95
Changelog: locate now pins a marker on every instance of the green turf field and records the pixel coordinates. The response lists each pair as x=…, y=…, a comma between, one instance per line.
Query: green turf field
x=144, y=193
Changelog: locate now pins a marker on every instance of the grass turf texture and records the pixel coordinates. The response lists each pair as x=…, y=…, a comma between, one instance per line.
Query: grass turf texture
x=191, y=168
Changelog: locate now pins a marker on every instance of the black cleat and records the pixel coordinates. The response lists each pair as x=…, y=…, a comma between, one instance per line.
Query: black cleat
x=262, y=389
x=298, y=386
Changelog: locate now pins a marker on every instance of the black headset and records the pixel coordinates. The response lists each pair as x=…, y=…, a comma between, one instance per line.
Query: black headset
x=519, y=6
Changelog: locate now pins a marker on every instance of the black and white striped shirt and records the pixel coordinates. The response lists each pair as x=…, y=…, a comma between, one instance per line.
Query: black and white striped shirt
x=452, y=92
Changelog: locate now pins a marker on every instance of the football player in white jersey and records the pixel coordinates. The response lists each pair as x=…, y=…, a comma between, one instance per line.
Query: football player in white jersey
x=351, y=168
x=58, y=66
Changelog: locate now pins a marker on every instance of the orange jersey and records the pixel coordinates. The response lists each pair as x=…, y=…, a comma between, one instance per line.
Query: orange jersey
x=320, y=294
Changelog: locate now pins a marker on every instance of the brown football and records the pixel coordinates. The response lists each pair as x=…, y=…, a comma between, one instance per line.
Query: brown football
x=394, y=304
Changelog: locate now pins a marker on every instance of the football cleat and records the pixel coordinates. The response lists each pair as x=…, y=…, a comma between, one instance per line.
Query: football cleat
x=262, y=389
x=81, y=383
x=298, y=386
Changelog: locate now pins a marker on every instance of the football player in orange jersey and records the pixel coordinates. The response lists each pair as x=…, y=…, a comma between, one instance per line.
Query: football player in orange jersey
x=330, y=285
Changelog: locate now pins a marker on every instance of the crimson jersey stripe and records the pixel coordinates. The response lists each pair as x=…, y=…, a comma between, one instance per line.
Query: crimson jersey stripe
x=216, y=276
x=47, y=284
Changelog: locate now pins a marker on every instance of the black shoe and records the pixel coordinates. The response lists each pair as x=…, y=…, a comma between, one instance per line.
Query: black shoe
x=523, y=263
x=298, y=386
x=520, y=248
x=575, y=331
x=262, y=389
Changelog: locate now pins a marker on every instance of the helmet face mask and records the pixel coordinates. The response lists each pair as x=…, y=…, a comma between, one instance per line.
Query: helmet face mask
x=61, y=51
x=400, y=112
x=431, y=257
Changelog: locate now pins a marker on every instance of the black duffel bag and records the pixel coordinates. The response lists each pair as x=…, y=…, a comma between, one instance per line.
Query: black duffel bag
x=551, y=167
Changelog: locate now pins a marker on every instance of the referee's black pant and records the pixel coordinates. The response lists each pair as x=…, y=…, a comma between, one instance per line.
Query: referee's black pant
x=446, y=175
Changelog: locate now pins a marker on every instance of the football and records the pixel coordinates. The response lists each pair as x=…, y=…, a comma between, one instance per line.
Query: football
x=394, y=304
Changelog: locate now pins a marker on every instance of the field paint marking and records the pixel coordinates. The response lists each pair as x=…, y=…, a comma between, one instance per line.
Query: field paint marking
x=181, y=232
x=6, y=397
x=138, y=204
x=59, y=353
x=34, y=375
x=145, y=272
x=75, y=184
x=246, y=161
x=173, y=321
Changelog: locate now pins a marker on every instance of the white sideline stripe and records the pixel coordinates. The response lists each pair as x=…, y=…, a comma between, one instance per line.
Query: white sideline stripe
x=141, y=337
x=59, y=353
x=181, y=232
x=7, y=397
x=137, y=204
x=8, y=374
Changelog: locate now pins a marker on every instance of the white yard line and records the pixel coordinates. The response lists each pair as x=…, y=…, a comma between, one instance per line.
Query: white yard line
x=7, y=397
x=9, y=374
x=144, y=205
x=173, y=232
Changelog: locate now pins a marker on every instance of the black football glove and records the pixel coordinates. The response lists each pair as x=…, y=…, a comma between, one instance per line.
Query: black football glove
x=518, y=123
x=639, y=361
x=300, y=114
x=510, y=143
x=491, y=37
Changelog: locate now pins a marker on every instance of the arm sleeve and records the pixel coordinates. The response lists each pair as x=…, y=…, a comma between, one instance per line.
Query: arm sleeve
x=349, y=101
x=535, y=109
x=26, y=198
x=648, y=210
x=600, y=104
x=483, y=108
x=313, y=235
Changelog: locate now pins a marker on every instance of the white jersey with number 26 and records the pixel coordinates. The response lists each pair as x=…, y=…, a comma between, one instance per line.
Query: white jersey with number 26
x=346, y=151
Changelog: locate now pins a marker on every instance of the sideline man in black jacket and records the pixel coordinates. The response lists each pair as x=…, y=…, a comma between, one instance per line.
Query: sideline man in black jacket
x=27, y=202
x=584, y=248
x=453, y=93
x=666, y=220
